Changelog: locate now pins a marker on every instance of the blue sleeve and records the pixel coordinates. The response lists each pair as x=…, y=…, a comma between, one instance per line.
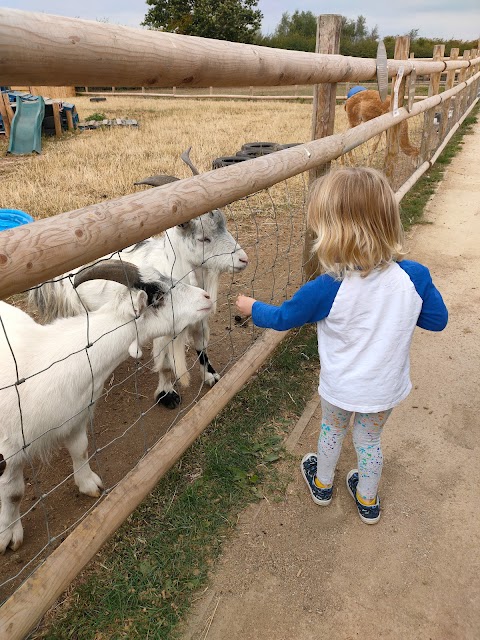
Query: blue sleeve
x=434, y=313
x=311, y=303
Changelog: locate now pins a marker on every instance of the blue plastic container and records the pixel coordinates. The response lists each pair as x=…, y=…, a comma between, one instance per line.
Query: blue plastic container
x=10, y=218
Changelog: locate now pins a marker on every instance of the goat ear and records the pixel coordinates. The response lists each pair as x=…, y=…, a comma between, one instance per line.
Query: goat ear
x=140, y=301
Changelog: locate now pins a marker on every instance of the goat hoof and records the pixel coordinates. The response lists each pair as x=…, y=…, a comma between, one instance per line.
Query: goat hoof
x=212, y=378
x=169, y=399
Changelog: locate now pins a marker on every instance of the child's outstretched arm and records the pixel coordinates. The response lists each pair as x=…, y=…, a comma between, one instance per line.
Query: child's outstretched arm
x=311, y=303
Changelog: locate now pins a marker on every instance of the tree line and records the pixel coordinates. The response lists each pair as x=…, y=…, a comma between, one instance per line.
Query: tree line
x=240, y=21
x=298, y=31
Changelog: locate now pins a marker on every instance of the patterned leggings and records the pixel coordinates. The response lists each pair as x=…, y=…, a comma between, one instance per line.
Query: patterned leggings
x=367, y=429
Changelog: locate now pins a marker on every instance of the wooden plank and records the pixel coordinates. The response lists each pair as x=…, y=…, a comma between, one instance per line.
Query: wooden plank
x=402, y=49
x=35, y=252
x=329, y=29
x=69, y=119
x=26, y=606
x=8, y=107
x=56, y=119
x=5, y=117
x=37, y=48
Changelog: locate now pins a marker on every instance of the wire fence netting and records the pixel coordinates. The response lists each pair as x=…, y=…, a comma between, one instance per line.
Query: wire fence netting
x=79, y=379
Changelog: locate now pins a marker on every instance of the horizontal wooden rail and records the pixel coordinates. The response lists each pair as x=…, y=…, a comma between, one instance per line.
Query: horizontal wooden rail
x=26, y=606
x=40, y=49
x=35, y=252
x=205, y=96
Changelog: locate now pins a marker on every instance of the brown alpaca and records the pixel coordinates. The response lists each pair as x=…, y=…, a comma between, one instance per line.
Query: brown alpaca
x=366, y=105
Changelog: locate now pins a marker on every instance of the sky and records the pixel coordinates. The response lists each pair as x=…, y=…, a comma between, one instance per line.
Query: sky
x=434, y=18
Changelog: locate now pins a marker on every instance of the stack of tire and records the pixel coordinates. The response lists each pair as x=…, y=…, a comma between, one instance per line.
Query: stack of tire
x=251, y=150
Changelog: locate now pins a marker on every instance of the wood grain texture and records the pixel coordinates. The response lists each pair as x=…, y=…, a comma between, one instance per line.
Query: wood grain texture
x=26, y=606
x=402, y=51
x=5, y=116
x=329, y=28
x=447, y=122
x=429, y=132
x=37, y=48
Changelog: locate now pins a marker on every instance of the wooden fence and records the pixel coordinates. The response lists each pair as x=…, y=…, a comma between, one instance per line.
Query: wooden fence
x=37, y=48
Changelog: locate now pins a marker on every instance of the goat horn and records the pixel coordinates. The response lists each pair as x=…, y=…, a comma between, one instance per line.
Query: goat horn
x=157, y=180
x=186, y=158
x=123, y=272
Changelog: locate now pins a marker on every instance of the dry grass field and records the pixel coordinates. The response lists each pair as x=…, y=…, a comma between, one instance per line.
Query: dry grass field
x=87, y=167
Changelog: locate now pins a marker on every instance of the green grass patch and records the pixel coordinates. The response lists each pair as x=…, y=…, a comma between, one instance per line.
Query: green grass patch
x=414, y=202
x=98, y=117
x=143, y=583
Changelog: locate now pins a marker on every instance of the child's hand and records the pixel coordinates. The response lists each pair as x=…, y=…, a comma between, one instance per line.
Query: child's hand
x=244, y=304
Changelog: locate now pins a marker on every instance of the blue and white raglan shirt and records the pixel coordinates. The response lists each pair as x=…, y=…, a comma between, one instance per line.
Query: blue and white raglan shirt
x=365, y=327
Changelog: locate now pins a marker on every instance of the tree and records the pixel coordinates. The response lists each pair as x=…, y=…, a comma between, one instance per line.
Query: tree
x=235, y=20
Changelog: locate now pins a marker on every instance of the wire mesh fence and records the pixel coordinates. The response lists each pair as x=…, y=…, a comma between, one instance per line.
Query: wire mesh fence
x=82, y=377
x=121, y=415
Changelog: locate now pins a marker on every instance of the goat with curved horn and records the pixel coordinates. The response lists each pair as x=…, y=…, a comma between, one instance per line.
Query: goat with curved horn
x=196, y=252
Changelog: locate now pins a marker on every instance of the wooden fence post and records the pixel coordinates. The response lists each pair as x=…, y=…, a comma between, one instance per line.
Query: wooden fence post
x=329, y=28
x=459, y=98
x=402, y=48
x=56, y=118
x=444, y=124
x=429, y=132
x=473, y=70
x=477, y=83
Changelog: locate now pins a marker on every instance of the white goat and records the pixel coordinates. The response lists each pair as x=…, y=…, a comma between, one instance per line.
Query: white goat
x=52, y=375
x=197, y=252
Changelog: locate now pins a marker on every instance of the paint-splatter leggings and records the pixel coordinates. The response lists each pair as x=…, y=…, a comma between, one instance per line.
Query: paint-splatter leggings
x=367, y=429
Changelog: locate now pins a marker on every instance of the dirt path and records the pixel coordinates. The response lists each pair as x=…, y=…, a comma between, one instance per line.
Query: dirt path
x=296, y=571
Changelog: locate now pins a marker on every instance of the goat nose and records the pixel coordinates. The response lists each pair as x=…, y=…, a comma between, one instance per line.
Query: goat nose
x=245, y=260
x=206, y=296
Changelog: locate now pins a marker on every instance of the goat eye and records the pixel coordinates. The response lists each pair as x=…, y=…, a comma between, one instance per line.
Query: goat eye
x=205, y=239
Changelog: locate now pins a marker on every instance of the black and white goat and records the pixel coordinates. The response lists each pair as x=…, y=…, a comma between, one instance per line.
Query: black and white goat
x=196, y=252
x=51, y=375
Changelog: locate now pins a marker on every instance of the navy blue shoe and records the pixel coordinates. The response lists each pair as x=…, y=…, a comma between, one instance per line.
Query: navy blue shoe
x=309, y=471
x=370, y=514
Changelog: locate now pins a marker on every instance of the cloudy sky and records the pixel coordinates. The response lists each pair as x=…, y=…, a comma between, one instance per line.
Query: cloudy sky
x=434, y=18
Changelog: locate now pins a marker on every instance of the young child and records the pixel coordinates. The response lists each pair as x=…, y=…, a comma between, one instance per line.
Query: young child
x=366, y=306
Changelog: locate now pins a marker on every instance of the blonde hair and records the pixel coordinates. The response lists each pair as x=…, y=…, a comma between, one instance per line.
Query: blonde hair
x=356, y=219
